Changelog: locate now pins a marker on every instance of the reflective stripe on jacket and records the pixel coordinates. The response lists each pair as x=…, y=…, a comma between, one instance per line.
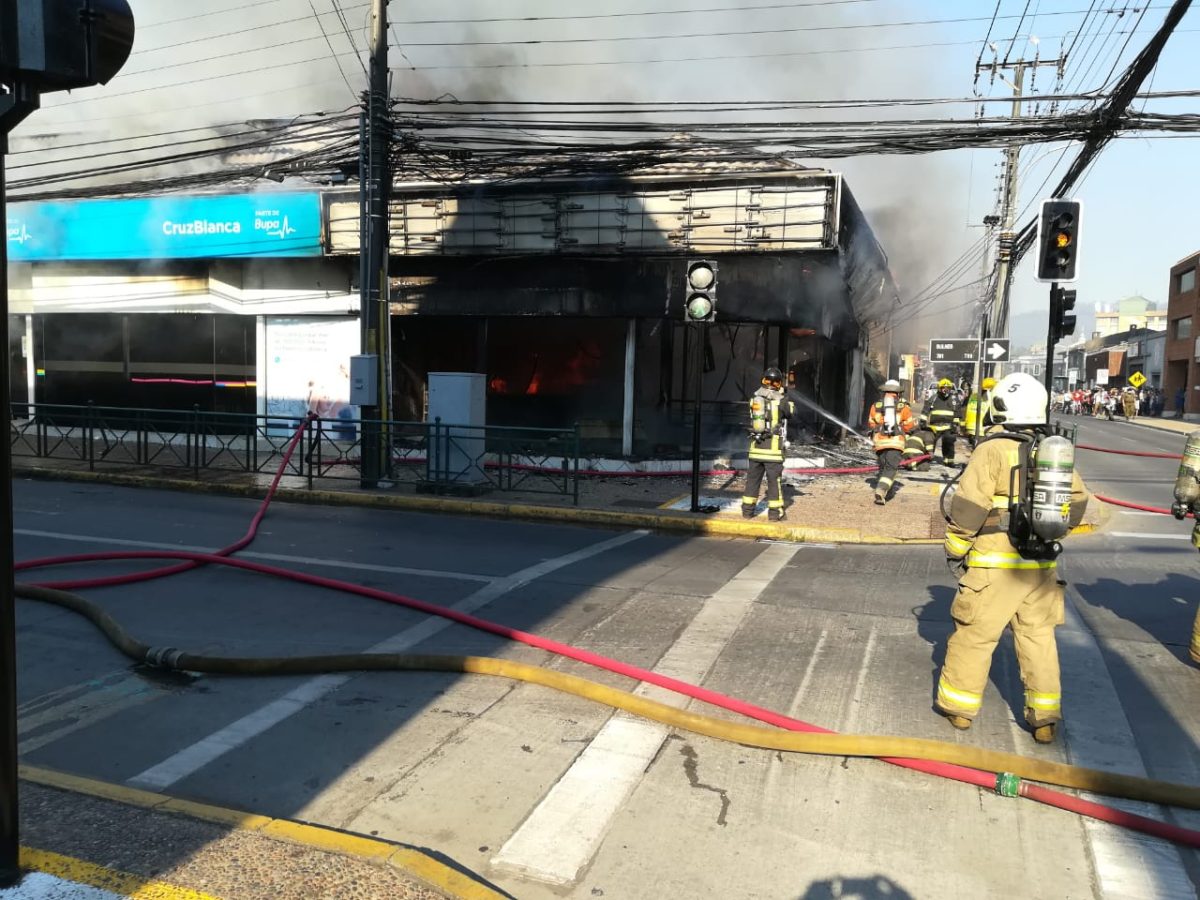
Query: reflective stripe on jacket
x=973, y=409
x=940, y=413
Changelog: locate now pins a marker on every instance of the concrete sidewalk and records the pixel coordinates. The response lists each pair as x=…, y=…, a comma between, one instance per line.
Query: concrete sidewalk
x=1179, y=426
x=100, y=840
x=821, y=508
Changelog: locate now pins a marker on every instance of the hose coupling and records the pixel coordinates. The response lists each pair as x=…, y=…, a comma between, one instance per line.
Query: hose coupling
x=1008, y=784
x=163, y=657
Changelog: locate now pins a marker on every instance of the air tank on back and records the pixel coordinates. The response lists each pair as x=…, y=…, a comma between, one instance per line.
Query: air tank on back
x=1187, y=483
x=1053, y=474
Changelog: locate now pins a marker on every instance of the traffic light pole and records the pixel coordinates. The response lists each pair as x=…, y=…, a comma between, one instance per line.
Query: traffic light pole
x=1051, y=340
x=698, y=335
x=13, y=108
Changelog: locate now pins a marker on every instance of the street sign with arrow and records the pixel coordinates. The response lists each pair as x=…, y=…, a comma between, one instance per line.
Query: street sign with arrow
x=995, y=350
x=968, y=350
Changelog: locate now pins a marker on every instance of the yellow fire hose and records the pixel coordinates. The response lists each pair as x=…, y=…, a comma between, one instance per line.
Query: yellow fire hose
x=1044, y=771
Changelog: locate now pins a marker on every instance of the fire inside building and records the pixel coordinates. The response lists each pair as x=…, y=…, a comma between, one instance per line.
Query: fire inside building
x=570, y=295
x=567, y=295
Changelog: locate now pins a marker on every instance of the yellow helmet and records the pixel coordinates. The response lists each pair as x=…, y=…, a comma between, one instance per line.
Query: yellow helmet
x=945, y=382
x=989, y=383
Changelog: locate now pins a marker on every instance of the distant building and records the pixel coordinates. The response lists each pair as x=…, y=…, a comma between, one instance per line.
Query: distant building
x=1183, y=345
x=1132, y=312
x=1111, y=361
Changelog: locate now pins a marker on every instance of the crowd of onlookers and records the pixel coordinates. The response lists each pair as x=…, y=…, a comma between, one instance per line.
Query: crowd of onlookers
x=1099, y=401
x=1109, y=402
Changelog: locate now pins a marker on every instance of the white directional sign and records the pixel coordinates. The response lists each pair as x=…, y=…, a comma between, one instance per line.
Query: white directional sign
x=967, y=350
x=995, y=350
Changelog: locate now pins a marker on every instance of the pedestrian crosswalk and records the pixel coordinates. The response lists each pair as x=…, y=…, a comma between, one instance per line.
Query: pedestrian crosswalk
x=551, y=795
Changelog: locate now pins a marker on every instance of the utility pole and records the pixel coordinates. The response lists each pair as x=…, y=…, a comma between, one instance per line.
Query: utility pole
x=998, y=326
x=989, y=222
x=375, y=194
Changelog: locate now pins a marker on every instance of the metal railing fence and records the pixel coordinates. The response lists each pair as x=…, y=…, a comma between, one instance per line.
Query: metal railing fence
x=431, y=456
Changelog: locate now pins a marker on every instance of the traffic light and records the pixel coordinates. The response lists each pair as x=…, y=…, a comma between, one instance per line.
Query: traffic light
x=700, y=292
x=59, y=45
x=1062, y=322
x=1058, y=240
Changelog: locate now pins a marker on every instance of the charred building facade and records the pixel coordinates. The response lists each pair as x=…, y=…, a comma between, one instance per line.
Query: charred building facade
x=569, y=296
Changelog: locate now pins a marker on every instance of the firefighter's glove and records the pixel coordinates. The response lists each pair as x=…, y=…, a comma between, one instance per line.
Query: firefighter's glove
x=957, y=565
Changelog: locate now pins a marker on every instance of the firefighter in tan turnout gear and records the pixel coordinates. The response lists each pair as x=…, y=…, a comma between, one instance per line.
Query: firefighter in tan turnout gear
x=1018, y=494
x=770, y=410
x=1187, y=502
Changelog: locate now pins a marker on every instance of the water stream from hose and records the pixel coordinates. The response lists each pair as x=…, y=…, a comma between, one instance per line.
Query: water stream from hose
x=821, y=411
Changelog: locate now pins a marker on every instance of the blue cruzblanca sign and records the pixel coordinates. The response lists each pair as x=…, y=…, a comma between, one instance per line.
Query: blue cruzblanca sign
x=234, y=225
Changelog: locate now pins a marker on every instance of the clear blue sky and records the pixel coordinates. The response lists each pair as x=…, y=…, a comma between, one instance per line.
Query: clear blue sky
x=195, y=64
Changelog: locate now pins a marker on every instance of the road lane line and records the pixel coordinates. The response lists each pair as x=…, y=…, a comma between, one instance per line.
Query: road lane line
x=860, y=684
x=191, y=759
x=808, y=674
x=1152, y=535
x=45, y=719
x=1099, y=736
x=563, y=832
x=274, y=557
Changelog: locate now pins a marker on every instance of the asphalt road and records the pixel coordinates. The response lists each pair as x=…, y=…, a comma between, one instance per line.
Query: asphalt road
x=547, y=795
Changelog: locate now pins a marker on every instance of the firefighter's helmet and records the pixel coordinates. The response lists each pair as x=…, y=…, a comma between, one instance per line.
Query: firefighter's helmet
x=989, y=383
x=891, y=386
x=1019, y=399
x=945, y=383
x=772, y=377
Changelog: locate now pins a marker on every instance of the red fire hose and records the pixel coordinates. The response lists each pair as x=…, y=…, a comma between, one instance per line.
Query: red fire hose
x=1126, y=503
x=975, y=777
x=1128, y=452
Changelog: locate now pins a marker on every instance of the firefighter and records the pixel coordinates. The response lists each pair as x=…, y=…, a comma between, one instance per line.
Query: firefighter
x=890, y=422
x=975, y=410
x=1187, y=502
x=1004, y=583
x=939, y=423
x=770, y=410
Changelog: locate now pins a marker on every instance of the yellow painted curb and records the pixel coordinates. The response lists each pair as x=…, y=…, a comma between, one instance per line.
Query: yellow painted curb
x=408, y=860
x=77, y=870
x=655, y=520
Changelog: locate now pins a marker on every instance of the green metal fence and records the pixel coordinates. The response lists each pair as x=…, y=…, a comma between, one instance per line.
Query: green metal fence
x=429, y=456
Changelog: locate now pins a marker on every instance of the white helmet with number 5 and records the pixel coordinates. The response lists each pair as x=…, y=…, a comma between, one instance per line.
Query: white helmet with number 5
x=1019, y=399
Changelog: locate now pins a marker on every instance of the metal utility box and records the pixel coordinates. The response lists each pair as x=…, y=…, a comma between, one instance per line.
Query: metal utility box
x=457, y=416
x=364, y=380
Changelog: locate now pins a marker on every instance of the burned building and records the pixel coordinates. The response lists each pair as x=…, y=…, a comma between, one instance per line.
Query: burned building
x=569, y=296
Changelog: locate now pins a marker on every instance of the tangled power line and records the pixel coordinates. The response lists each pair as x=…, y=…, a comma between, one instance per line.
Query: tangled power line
x=456, y=141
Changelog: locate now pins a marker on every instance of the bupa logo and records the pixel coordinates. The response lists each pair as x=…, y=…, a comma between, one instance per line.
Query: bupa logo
x=270, y=223
x=18, y=234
